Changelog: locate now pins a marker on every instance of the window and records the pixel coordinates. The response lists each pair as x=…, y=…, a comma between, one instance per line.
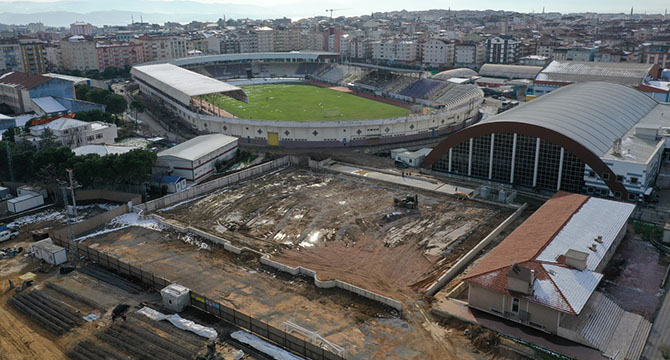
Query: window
x=592, y=174
x=619, y=178
x=633, y=180
x=606, y=176
x=617, y=194
x=515, y=305
x=631, y=197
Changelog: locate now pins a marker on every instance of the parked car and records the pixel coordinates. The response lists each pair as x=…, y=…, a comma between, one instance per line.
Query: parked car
x=8, y=235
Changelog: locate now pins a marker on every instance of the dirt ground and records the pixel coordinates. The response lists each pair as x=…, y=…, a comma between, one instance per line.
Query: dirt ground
x=364, y=328
x=343, y=227
x=634, y=275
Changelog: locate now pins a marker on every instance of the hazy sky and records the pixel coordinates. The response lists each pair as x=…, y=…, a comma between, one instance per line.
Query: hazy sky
x=307, y=8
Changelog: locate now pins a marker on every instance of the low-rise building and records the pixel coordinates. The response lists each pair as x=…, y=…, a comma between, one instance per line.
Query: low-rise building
x=74, y=133
x=196, y=159
x=545, y=274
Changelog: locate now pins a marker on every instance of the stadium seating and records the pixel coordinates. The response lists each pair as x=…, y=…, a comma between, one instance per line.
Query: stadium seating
x=423, y=88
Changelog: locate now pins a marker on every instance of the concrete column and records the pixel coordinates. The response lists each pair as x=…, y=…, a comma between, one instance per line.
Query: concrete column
x=537, y=159
x=511, y=173
x=450, y=159
x=493, y=137
x=560, y=170
x=470, y=158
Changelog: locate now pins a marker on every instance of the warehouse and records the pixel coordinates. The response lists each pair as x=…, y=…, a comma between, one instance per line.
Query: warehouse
x=561, y=73
x=595, y=138
x=195, y=159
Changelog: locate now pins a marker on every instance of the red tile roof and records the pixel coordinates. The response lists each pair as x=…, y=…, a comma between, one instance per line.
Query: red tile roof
x=528, y=240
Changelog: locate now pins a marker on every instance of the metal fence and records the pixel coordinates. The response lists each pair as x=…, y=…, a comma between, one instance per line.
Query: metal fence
x=258, y=327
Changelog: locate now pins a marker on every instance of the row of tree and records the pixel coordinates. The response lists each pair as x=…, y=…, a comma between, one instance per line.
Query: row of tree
x=115, y=103
x=110, y=72
x=48, y=164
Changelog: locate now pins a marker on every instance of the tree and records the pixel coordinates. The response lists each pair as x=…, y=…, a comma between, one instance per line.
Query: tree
x=116, y=104
x=48, y=139
x=137, y=107
x=9, y=134
x=95, y=115
x=6, y=109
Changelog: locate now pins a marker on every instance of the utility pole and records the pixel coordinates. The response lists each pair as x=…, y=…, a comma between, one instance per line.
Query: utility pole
x=63, y=186
x=71, y=188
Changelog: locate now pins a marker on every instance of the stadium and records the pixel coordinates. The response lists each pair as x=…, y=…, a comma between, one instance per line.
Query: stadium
x=308, y=99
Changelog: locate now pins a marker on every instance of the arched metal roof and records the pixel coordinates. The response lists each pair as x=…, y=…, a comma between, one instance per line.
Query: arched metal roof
x=455, y=73
x=593, y=114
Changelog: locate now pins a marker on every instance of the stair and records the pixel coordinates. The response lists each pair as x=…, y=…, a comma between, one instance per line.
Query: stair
x=639, y=340
x=602, y=323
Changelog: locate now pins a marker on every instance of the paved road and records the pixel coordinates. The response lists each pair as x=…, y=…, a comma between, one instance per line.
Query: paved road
x=415, y=180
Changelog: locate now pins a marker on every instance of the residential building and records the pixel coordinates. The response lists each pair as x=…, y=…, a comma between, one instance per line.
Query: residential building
x=155, y=48
x=659, y=55
x=502, y=50
x=79, y=53
x=265, y=38
x=119, y=55
x=10, y=56
x=395, y=51
x=33, y=56
x=81, y=28
x=438, y=53
x=75, y=133
x=469, y=55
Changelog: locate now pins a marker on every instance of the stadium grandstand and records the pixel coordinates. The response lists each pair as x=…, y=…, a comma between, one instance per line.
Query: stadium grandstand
x=402, y=104
x=597, y=138
x=455, y=73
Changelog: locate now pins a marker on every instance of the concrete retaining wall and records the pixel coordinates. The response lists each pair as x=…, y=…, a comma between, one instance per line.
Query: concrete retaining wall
x=92, y=223
x=265, y=260
x=218, y=183
x=467, y=258
x=114, y=196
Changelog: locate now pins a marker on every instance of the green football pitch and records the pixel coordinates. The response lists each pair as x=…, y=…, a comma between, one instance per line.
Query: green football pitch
x=303, y=102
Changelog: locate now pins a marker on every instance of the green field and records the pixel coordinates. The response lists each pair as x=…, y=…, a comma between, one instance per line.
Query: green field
x=302, y=102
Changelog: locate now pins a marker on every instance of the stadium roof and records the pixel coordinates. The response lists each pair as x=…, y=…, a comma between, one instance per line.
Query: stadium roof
x=455, y=73
x=594, y=114
x=182, y=84
x=510, y=71
x=198, y=147
x=629, y=74
x=292, y=55
x=388, y=68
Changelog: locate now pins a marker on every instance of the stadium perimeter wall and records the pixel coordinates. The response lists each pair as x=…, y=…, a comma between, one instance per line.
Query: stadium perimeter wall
x=328, y=133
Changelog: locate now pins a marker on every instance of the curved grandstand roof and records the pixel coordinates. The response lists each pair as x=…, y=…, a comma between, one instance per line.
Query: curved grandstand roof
x=455, y=73
x=182, y=84
x=593, y=114
x=510, y=71
x=292, y=55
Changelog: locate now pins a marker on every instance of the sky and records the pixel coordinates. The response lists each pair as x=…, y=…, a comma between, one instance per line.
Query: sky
x=207, y=10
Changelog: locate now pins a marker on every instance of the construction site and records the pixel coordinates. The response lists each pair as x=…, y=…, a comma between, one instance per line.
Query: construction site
x=293, y=258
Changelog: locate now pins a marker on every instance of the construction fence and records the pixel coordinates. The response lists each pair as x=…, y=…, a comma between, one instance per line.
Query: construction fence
x=258, y=327
x=210, y=186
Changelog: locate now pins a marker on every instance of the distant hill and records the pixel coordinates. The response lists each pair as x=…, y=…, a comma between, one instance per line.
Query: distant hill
x=63, y=13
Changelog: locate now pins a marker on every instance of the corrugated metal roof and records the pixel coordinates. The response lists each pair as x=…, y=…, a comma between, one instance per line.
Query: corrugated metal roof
x=183, y=84
x=629, y=74
x=22, y=80
x=292, y=55
x=575, y=286
x=455, y=73
x=593, y=114
x=198, y=147
x=597, y=217
x=49, y=105
x=510, y=71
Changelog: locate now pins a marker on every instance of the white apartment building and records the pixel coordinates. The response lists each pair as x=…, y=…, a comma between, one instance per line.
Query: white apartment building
x=74, y=133
x=10, y=57
x=469, y=55
x=403, y=51
x=265, y=37
x=437, y=52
